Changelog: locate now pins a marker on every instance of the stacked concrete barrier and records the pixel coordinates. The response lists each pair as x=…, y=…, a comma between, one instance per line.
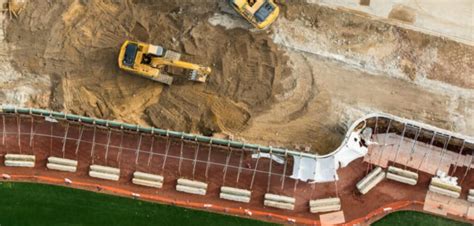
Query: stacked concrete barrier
x=402, y=176
x=147, y=179
x=62, y=164
x=235, y=194
x=470, y=195
x=279, y=201
x=18, y=160
x=325, y=205
x=104, y=172
x=191, y=186
x=371, y=180
x=444, y=188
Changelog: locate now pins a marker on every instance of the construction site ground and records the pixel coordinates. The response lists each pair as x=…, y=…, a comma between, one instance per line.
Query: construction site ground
x=298, y=84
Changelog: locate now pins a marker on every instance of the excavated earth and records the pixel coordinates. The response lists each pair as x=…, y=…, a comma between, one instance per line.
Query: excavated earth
x=297, y=85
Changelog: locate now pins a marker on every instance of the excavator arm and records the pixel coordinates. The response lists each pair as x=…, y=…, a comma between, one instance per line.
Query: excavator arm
x=196, y=72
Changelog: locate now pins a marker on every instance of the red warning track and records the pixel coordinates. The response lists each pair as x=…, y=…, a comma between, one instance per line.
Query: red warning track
x=174, y=158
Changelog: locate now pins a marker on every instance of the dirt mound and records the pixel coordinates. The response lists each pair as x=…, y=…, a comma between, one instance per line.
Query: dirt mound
x=76, y=42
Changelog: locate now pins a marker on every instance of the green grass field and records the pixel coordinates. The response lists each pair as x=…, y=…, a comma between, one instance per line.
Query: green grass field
x=23, y=204
x=413, y=218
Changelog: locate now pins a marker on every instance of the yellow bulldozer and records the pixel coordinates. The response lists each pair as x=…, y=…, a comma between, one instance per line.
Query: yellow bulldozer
x=157, y=63
x=260, y=13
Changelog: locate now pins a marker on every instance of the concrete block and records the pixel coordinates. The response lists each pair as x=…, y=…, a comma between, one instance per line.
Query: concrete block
x=105, y=176
x=329, y=208
x=279, y=205
x=235, y=191
x=372, y=183
x=21, y=157
x=279, y=198
x=16, y=163
x=192, y=183
x=105, y=169
x=62, y=161
x=443, y=191
x=147, y=176
x=147, y=183
x=191, y=190
x=237, y=198
x=401, y=179
x=60, y=167
x=368, y=178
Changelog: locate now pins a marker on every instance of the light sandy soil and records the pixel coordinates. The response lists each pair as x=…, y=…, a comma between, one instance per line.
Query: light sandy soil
x=16, y=87
x=445, y=18
x=296, y=85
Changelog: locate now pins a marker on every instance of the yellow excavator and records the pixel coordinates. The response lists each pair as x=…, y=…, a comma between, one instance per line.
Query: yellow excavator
x=260, y=13
x=157, y=63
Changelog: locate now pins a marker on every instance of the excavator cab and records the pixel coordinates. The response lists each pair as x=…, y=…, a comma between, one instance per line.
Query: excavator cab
x=157, y=63
x=260, y=13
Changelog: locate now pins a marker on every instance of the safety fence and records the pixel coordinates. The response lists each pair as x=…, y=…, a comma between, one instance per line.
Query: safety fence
x=209, y=140
x=151, y=130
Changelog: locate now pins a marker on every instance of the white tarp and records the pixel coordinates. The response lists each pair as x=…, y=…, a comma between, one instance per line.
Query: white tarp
x=274, y=157
x=352, y=150
x=321, y=170
x=315, y=170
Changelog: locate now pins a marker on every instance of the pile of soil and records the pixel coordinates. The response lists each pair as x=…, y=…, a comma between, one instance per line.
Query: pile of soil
x=76, y=42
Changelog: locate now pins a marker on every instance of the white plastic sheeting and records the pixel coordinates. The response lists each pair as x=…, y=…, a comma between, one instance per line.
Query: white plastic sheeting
x=351, y=150
x=275, y=158
x=315, y=170
x=321, y=170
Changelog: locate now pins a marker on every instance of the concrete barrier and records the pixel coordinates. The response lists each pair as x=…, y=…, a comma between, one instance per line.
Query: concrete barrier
x=147, y=176
x=20, y=157
x=105, y=169
x=104, y=172
x=371, y=180
x=62, y=161
x=192, y=183
x=19, y=160
x=60, y=167
x=191, y=186
x=190, y=190
x=235, y=194
x=470, y=195
x=62, y=164
x=279, y=205
x=371, y=184
x=105, y=176
x=147, y=179
x=444, y=188
x=325, y=205
x=14, y=163
x=369, y=177
x=401, y=175
x=279, y=201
